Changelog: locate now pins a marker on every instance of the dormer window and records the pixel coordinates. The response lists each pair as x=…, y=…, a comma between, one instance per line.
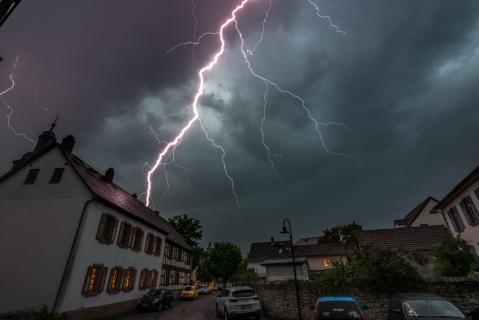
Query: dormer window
x=32, y=176
x=57, y=175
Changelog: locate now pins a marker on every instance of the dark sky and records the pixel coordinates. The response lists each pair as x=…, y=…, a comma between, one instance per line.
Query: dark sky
x=404, y=76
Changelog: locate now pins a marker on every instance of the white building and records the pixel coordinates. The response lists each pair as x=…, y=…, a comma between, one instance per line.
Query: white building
x=424, y=214
x=460, y=209
x=73, y=240
x=282, y=269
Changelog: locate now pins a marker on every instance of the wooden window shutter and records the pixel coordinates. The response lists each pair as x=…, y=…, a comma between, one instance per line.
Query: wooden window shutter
x=101, y=227
x=158, y=247
x=102, y=279
x=120, y=234
x=113, y=232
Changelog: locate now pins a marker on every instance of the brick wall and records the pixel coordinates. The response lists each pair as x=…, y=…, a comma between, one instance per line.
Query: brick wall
x=279, y=299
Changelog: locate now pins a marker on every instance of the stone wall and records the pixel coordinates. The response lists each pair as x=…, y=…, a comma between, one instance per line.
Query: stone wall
x=279, y=298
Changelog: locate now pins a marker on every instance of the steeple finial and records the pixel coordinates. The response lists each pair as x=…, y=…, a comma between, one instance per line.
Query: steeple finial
x=54, y=124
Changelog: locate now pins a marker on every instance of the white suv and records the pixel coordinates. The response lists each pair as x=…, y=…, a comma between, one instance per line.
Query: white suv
x=238, y=302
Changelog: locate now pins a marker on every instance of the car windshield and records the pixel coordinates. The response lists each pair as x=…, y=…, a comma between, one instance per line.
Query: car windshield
x=188, y=289
x=338, y=310
x=431, y=309
x=152, y=293
x=244, y=293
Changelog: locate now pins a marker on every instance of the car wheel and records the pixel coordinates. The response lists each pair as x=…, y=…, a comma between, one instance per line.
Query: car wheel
x=227, y=316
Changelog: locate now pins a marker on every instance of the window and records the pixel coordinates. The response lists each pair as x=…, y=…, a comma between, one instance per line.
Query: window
x=171, y=279
x=94, y=280
x=168, y=250
x=470, y=211
x=129, y=279
x=114, y=284
x=163, y=279
x=153, y=279
x=31, y=176
x=157, y=250
x=150, y=242
x=145, y=274
x=136, y=239
x=107, y=229
x=456, y=220
x=57, y=175
x=124, y=235
x=327, y=263
x=174, y=253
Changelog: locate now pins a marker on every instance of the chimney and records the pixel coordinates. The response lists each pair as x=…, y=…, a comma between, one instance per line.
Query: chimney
x=134, y=195
x=68, y=143
x=157, y=212
x=109, y=174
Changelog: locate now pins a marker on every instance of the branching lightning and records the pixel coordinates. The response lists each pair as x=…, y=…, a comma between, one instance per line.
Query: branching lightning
x=246, y=53
x=10, y=109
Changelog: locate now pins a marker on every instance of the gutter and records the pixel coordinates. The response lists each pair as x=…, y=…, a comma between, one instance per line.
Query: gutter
x=71, y=257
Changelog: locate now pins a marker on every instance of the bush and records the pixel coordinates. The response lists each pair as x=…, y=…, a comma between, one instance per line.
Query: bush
x=453, y=258
x=374, y=269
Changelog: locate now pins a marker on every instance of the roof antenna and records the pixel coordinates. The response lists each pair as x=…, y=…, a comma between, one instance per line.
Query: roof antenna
x=54, y=124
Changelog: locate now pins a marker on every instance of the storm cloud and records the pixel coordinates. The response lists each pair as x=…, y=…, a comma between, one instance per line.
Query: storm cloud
x=403, y=78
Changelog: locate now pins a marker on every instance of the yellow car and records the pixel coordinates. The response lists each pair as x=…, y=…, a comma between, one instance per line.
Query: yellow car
x=189, y=293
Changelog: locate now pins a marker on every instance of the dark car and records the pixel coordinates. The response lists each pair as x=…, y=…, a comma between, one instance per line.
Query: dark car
x=338, y=308
x=422, y=306
x=156, y=300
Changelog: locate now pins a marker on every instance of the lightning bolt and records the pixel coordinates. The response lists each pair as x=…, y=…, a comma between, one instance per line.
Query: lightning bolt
x=10, y=109
x=246, y=52
x=37, y=98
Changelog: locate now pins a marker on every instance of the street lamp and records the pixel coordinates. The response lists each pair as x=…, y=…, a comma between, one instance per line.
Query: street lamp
x=286, y=231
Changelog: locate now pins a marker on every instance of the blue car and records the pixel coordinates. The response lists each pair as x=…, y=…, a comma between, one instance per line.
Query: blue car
x=338, y=308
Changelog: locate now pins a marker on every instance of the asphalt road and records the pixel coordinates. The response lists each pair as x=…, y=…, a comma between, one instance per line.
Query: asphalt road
x=200, y=309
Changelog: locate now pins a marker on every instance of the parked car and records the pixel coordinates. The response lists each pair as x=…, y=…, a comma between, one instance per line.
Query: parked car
x=338, y=308
x=156, y=299
x=190, y=292
x=203, y=290
x=238, y=302
x=424, y=306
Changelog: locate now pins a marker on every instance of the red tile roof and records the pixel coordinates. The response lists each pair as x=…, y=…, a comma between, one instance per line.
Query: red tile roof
x=413, y=238
x=121, y=199
x=307, y=241
x=282, y=250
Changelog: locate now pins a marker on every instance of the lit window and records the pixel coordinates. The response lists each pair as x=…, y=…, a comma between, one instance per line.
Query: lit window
x=129, y=279
x=470, y=211
x=107, y=229
x=456, y=220
x=144, y=277
x=153, y=279
x=57, y=175
x=115, y=280
x=31, y=176
x=95, y=280
x=327, y=263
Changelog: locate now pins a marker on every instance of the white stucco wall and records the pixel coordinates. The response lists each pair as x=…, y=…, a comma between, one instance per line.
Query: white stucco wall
x=282, y=272
x=470, y=233
x=426, y=217
x=258, y=268
x=90, y=252
x=37, y=227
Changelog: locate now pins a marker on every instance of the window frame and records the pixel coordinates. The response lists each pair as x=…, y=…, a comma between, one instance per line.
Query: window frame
x=119, y=272
x=150, y=243
x=107, y=234
x=57, y=175
x=32, y=176
x=129, y=274
x=469, y=210
x=157, y=246
x=93, y=289
x=153, y=279
x=455, y=217
x=123, y=239
x=144, y=277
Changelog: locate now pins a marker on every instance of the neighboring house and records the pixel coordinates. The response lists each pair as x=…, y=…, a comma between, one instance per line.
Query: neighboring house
x=282, y=269
x=73, y=240
x=423, y=214
x=416, y=244
x=460, y=209
x=318, y=257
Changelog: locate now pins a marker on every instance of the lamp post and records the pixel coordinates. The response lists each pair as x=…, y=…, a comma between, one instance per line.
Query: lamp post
x=286, y=231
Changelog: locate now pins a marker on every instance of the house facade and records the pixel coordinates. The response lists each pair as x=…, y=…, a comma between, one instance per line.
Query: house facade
x=460, y=209
x=414, y=244
x=282, y=269
x=74, y=240
x=424, y=214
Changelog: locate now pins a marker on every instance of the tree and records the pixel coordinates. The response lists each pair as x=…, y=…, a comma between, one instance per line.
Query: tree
x=453, y=258
x=342, y=233
x=244, y=275
x=375, y=269
x=221, y=261
x=189, y=228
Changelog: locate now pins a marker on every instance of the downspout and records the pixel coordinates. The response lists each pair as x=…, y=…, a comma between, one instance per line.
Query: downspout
x=71, y=257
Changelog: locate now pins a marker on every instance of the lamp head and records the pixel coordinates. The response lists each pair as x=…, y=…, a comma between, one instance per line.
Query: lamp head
x=285, y=231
